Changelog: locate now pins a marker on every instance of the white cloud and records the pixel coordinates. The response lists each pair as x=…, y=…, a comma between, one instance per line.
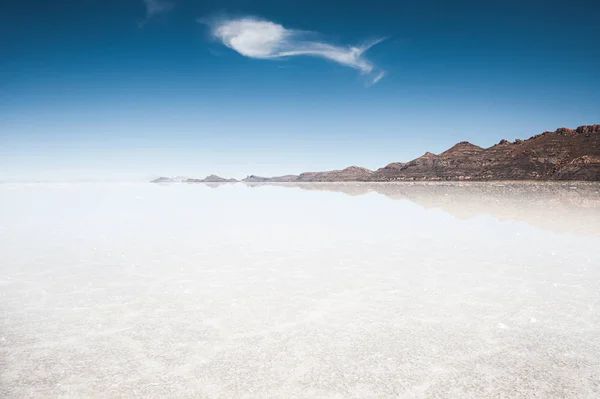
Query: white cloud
x=262, y=39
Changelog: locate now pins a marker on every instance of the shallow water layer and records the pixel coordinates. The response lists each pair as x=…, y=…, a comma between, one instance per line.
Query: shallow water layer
x=300, y=290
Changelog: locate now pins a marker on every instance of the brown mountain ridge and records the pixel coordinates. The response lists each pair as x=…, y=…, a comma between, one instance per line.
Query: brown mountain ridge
x=565, y=154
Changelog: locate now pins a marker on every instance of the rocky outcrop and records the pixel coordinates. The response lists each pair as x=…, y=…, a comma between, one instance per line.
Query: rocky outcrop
x=388, y=172
x=462, y=149
x=351, y=173
x=581, y=168
x=589, y=129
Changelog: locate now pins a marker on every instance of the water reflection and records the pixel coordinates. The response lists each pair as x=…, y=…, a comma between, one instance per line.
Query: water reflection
x=560, y=207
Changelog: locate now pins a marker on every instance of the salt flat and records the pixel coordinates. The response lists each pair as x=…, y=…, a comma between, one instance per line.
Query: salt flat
x=296, y=291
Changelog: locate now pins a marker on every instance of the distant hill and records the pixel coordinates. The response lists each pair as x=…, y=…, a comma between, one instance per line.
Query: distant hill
x=211, y=179
x=565, y=154
x=163, y=180
x=259, y=179
x=207, y=179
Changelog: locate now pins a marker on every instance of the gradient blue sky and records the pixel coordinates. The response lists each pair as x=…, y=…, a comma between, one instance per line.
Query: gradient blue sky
x=113, y=89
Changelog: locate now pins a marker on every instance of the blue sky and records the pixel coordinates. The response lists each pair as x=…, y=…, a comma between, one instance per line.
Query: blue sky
x=130, y=89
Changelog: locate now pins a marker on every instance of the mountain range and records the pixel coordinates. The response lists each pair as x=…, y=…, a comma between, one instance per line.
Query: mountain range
x=564, y=154
x=207, y=179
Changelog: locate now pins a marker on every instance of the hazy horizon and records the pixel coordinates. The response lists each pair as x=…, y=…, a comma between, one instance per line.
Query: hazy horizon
x=85, y=175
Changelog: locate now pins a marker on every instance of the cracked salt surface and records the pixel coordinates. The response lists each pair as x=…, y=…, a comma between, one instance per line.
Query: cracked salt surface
x=191, y=291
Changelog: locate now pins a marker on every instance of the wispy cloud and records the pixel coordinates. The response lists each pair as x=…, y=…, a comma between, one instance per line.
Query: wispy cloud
x=154, y=7
x=256, y=38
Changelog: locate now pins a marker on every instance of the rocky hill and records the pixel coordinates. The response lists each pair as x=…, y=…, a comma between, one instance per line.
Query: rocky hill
x=565, y=154
x=207, y=179
x=352, y=173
